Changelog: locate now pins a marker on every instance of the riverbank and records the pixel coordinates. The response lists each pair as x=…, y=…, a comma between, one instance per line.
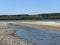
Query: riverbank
x=7, y=36
x=41, y=24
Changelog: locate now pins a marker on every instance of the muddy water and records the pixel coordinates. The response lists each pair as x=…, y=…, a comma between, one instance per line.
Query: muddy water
x=38, y=35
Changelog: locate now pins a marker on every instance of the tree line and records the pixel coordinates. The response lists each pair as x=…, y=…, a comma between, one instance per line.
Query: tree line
x=30, y=17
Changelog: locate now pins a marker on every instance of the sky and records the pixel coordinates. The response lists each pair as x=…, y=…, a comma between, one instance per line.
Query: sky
x=29, y=6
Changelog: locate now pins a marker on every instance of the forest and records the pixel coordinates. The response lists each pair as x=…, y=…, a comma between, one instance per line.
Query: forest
x=30, y=17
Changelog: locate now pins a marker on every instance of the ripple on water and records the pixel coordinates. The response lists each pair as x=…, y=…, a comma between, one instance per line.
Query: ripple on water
x=38, y=35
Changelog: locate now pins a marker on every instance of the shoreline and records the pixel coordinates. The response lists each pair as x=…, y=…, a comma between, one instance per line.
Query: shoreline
x=41, y=24
x=37, y=24
x=7, y=36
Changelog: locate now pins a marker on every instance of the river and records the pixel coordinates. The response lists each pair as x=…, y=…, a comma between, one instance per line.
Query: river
x=38, y=36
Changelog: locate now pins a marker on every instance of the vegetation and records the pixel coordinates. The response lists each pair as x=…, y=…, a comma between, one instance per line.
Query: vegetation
x=30, y=17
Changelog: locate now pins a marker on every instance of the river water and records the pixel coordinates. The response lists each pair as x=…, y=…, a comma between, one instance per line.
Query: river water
x=38, y=36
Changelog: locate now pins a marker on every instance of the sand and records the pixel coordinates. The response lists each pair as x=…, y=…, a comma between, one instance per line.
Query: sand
x=40, y=24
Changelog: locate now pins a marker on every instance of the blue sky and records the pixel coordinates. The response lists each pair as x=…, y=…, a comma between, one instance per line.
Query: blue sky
x=29, y=6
